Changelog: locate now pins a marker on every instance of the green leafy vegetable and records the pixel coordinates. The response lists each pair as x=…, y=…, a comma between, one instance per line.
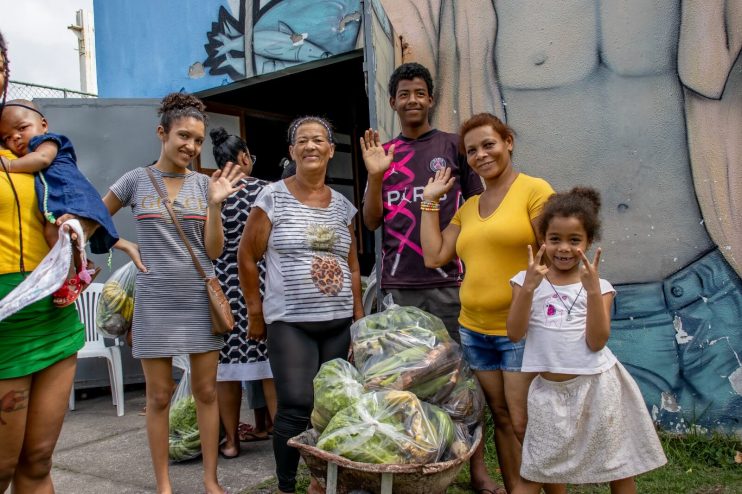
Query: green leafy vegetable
x=389, y=427
x=337, y=385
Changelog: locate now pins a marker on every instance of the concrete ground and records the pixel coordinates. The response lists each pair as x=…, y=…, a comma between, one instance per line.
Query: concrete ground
x=99, y=452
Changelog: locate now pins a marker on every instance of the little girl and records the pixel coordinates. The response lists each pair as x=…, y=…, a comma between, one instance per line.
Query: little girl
x=587, y=421
x=60, y=186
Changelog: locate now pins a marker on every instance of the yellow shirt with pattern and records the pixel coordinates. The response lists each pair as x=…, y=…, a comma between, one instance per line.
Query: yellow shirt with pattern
x=494, y=249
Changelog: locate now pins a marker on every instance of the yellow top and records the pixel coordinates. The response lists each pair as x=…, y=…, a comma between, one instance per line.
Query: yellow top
x=34, y=245
x=494, y=249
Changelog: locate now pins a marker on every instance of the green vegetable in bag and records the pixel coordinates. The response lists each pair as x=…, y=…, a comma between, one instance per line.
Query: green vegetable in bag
x=337, y=385
x=184, y=439
x=389, y=427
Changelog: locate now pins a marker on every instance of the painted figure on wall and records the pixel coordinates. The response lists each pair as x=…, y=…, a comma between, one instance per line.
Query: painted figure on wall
x=642, y=100
x=267, y=36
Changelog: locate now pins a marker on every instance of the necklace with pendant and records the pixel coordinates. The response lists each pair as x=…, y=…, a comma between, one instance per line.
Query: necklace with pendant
x=569, y=309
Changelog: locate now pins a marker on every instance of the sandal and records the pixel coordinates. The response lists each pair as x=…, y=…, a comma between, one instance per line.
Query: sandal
x=68, y=293
x=247, y=434
x=88, y=275
x=73, y=287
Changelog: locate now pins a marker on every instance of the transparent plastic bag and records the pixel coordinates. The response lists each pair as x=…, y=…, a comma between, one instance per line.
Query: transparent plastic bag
x=116, y=306
x=395, y=329
x=405, y=348
x=49, y=275
x=184, y=439
x=465, y=403
x=463, y=440
x=389, y=427
x=337, y=385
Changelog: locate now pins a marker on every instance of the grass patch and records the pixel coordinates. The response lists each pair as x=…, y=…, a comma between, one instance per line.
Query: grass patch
x=697, y=463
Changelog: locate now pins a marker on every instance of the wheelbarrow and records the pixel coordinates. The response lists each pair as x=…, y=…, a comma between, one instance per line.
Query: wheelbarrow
x=339, y=475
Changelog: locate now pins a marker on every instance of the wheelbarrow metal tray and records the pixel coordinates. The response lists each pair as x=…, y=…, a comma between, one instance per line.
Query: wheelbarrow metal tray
x=431, y=478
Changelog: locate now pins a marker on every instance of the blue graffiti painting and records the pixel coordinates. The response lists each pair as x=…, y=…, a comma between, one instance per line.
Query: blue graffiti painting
x=226, y=46
x=283, y=47
x=290, y=32
x=678, y=339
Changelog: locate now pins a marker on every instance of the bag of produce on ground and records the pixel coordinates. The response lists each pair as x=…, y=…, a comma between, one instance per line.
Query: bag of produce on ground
x=393, y=330
x=462, y=442
x=465, y=403
x=389, y=427
x=337, y=385
x=184, y=438
x=116, y=305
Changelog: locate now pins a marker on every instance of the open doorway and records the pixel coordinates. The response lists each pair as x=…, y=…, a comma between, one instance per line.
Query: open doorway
x=263, y=106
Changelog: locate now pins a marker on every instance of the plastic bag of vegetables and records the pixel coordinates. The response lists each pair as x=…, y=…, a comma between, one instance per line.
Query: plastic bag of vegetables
x=389, y=427
x=394, y=330
x=184, y=438
x=465, y=403
x=336, y=386
x=406, y=348
x=116, y=305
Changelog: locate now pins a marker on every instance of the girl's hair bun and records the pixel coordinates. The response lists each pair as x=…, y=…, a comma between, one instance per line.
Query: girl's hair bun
x=589, y=194
x=175, y=106
x=218, y=136
x=180, y=101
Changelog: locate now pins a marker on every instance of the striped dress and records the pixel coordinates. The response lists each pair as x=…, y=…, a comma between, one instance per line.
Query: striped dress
x=307, y=273
x=171, y=308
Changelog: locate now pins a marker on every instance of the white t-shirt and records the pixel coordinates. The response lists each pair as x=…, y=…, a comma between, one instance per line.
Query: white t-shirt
x=555, y=342
x=307, y=275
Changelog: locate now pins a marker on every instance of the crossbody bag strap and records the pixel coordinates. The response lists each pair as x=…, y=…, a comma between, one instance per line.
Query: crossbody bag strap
x=169, y=206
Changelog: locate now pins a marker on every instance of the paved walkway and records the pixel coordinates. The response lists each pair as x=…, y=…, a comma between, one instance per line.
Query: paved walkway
x=99, y=452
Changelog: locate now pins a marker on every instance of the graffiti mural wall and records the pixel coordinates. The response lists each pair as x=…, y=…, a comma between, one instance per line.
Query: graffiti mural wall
x=643, y=100
x=204, y=44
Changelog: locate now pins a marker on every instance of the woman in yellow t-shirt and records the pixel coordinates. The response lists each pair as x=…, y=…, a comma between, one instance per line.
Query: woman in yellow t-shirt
x=38, y=344
x=490, y=233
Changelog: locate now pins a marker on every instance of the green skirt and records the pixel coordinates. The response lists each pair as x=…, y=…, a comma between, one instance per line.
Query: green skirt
x=38, y=335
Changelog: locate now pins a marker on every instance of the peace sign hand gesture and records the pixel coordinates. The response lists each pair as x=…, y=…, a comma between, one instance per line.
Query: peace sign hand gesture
x=222, y=183
x=589, y=275
x=536, y=269
x=376, y=159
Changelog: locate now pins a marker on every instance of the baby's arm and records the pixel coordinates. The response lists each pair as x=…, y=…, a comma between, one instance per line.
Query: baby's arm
x=35, y=161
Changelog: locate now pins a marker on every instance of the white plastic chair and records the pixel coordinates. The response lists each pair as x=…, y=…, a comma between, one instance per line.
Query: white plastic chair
x=87, y=304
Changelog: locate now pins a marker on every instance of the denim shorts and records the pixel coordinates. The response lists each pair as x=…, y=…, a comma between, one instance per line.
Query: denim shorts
x=488, y=353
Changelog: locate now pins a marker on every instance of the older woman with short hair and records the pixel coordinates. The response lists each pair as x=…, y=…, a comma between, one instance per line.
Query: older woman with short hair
x=313, y=281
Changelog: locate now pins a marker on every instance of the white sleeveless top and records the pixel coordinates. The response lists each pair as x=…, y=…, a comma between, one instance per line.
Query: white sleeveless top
x=555, y=340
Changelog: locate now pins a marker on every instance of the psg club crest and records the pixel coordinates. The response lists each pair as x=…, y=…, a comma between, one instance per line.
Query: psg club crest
x=437, y=164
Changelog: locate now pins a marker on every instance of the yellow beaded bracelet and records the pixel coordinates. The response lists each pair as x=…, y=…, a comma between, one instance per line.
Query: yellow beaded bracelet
x=432, y=206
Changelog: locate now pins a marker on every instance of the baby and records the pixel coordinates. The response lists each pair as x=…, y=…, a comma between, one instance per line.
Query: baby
x=60, y=186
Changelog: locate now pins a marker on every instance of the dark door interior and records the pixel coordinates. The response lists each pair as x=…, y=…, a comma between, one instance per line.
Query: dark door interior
x=332, y=88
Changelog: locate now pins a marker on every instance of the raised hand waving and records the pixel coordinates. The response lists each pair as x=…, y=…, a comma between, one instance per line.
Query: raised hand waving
x=377, y=160
x=222, y=183
x=438, y=185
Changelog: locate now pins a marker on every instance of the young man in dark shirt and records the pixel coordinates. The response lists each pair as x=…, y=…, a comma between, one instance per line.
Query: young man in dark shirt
x=397, y=173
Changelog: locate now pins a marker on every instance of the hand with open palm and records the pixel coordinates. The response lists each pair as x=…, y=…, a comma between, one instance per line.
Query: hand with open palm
x=438, y=185
x=377, y=159
x=222, y=183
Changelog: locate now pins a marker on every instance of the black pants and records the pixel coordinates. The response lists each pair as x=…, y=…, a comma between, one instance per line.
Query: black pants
x=296, y=351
